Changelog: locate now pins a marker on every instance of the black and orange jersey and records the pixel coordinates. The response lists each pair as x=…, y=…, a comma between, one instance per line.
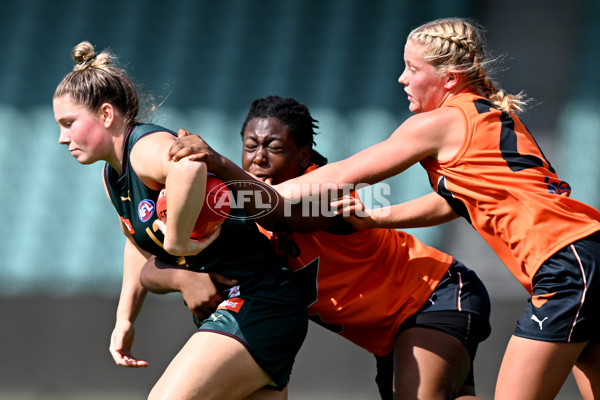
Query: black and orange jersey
x=502, y=183
x=364, y=284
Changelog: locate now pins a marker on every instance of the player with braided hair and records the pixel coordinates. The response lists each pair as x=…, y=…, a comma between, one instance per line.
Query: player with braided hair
x=486, y=167
x=458, y=44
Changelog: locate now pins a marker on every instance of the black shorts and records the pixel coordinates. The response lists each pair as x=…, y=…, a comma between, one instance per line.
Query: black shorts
x=565, y=303
x=460, y=307
x=272, y=333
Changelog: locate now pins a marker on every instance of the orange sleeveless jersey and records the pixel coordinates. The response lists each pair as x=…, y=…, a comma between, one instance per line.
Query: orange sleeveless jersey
x=367, y=283
x=501, y=182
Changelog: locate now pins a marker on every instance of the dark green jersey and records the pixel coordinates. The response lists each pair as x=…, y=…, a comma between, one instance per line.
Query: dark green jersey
x=240, y=252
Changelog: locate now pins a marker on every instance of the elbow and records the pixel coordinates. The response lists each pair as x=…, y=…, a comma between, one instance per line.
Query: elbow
x=149, y=279
x=193, y=168
x=174, y=249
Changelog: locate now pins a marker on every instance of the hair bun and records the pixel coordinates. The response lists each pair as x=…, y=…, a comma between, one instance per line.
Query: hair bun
x=83, y=52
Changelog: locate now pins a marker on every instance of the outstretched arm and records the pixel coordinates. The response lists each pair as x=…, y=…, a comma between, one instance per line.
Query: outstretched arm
x=285, y=215
x=437, y=134
x=428, y=210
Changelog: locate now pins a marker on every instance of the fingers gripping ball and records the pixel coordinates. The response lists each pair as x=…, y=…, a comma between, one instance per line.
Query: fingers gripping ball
x=214, y=211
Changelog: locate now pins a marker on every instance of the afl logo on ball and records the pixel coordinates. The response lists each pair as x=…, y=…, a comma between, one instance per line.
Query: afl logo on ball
x=145, y=210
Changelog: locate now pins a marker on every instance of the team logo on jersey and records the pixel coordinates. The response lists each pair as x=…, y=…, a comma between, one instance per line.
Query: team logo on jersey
x=146, y=210
x=233, y=304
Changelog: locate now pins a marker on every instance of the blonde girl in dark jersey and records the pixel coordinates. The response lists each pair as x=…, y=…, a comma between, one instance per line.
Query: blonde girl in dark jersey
x=486, y=167
x=247, y=346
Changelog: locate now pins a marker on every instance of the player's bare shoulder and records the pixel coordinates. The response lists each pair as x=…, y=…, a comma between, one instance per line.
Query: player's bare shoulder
x=149, y=158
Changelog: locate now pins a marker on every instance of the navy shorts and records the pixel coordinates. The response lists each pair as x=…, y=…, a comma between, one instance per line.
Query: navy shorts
x=459, y=306
x=566, y=294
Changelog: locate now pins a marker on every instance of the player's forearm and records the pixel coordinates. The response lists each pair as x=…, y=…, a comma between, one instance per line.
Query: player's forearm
x=369, y=166
x=263, y=195
x=325, y=179
x=159, y=278
x=283, y=214
x=428, y=210
x=186, y=190
x=133, y=293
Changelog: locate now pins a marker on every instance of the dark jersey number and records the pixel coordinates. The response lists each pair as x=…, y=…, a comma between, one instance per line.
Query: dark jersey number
x=508, y=142
x=510, y=153
x=307, y=276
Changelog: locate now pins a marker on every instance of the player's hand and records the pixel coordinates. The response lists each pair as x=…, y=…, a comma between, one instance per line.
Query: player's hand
x=121, y=341
x=194, y=148
x=353, y=211
x=200, y=293
x=193, y=246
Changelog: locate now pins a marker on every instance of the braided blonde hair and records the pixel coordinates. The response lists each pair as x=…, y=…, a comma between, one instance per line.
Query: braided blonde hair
x=96, y=80
x=457, y=44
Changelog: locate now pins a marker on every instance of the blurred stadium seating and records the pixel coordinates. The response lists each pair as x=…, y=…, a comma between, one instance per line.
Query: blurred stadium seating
x=205, y=61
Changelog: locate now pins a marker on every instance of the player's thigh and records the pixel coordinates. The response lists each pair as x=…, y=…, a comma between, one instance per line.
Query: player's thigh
x=535, y=369
x=429, y=364
x=269, y=394
x=587, y=371
x=210, y=366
